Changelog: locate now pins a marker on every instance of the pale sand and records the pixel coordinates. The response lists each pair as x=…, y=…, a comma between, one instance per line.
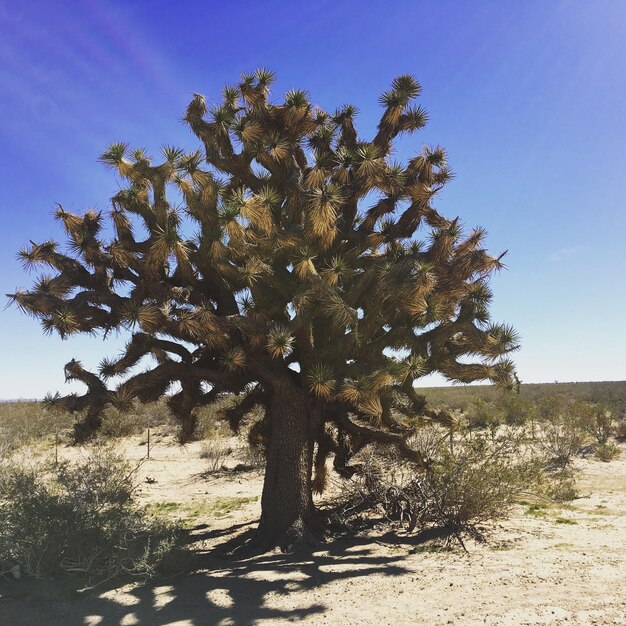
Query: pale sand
x=531, y=571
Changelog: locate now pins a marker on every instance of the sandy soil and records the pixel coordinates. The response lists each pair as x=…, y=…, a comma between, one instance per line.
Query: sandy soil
x=565, y=566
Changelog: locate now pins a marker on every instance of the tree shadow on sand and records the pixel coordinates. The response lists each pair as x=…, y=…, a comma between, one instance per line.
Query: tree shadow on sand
x=229, y=592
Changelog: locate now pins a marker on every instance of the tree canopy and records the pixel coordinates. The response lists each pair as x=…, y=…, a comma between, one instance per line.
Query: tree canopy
x=286, y=248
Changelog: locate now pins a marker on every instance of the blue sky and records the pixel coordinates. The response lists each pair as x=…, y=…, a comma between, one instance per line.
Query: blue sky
x=528, y=98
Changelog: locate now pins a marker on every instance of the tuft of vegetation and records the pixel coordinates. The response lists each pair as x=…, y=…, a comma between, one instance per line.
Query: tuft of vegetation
x=26, y=422
x=224, y=506
x=483, y=414
x=607, y=452
x=562, y=440
x=597, y=421
x=189, y=513
x=536, y=509
x=609, y=393
x=562, y=486
x=620, y=430
x=474, y=481
x=215, y=452
x=81, y=519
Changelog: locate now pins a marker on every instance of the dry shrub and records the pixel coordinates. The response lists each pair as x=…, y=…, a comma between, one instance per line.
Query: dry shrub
x=518, y=411
x=428, y=441
x=252, y=455
x=620, y=430
x=215, y=452
x=607, y=452
x=22, y=423
x=562, y=432
x=561, y=440
x=561, y=486
x=137, y=419
x=483, y=414
x=210, y=423
x=117, y=423
x=82, y=519
x=474, y=482
x=251, y=443
x=595, y=419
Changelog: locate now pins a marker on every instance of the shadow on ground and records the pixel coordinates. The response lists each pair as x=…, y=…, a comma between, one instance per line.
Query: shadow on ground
x=237, y=593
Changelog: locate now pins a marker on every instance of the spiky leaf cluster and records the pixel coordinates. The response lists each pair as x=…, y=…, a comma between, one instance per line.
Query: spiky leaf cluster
x=301, y=251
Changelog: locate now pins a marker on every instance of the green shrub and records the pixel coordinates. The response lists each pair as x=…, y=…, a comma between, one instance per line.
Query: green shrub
x=562, y=433
x=561, y=439
x=607, y=452
x=82, y=519
x=561, y=486
x=473, y=483
x=595, y=419
x=121, y=423
x=553, y=408
x=22, y=423
x=517, y=410
x=483, y=414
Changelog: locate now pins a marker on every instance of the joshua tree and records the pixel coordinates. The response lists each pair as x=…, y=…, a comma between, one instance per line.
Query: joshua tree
x=290, y=272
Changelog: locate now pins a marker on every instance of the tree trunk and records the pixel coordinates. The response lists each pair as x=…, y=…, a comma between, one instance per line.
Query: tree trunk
x=288, y=515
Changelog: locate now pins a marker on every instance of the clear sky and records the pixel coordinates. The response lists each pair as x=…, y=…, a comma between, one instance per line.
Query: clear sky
x=528, y=98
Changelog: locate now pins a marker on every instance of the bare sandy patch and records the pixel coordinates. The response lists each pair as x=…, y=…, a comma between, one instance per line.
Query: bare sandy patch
x=543, y=565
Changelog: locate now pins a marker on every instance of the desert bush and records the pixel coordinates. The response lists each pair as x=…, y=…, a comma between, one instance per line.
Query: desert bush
x=620, y=430
x=157, y=413
x=562, y=435
x=81, y=519
x=215, y=452
x=595, y=419
x=560, y=485
x=475, y=482
x=138, y=418
x=484, y=414
x=429, y=440
x=122, y=423
x=561, y=439
x=517, y=410
x=607, y=452
x=22, y=423
x=553, y=407
x=211, y=424
x=252, y=455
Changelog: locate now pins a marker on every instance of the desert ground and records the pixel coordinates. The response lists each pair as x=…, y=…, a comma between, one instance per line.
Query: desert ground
x=542, y=565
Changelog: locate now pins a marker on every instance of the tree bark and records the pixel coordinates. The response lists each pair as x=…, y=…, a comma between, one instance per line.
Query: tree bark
x=288, y=516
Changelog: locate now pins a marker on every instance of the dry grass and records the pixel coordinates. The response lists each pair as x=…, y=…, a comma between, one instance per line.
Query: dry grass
x=215, y=452
x=22, y=423
x=460, y=397
x=25, y=422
